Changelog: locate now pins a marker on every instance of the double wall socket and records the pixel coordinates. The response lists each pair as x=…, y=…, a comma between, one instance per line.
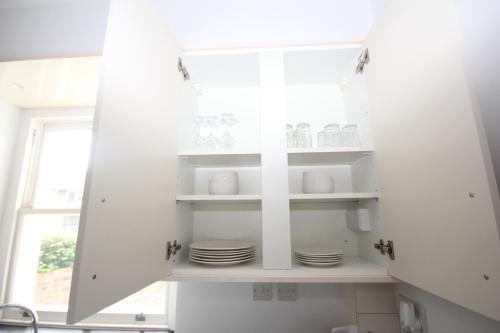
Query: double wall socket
x=287, y=291
x=264, y=291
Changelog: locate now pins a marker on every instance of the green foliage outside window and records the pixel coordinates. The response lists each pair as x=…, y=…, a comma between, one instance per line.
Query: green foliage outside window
x=56, y=252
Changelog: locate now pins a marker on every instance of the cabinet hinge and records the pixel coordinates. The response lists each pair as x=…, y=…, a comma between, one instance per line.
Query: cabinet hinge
x=183, y=70
x=363, y=60
x=172, y=248
x=140, y=317
x=386, y=248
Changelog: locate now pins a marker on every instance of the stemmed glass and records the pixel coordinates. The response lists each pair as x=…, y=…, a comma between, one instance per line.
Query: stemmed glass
x=198, y=139
x=211, y=138
x=228, y=122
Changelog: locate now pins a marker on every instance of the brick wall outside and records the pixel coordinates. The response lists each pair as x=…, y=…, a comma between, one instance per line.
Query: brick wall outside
x=53, y=287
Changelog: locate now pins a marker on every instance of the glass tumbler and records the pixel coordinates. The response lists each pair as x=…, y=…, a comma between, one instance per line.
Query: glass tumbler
x=290, y=136
x=304, y=138
x=350, y=136
x=321, y=139
x=332, y=135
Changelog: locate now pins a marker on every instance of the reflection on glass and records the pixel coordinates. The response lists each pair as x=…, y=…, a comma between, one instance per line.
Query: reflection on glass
x=62, y=166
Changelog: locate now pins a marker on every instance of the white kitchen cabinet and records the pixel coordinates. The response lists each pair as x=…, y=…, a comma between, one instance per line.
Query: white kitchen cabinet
x=422, y=171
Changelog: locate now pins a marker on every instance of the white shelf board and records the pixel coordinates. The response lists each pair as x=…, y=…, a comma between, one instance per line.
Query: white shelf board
x=328, y=197
x=327, y=156
x=217, y=159
x=353, y=270
x=238, y=198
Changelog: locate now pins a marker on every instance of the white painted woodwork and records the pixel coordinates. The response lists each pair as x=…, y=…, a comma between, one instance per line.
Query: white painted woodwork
x=275, y=204
x=236, y=198
x=326, y=156
x=437, y=198
x=353, y=270
x=326, y=197
x=221, y=159
x=129, y=203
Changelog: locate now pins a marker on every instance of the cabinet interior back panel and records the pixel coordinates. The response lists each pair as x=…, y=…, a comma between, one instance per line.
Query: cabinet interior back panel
x=231, y=221
x=322, y=225
x=223, y=84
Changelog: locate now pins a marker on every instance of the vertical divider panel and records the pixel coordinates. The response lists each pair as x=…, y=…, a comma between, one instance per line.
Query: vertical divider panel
x=276, y=237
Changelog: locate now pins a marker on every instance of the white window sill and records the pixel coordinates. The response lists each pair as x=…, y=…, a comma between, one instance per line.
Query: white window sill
x=89, y=326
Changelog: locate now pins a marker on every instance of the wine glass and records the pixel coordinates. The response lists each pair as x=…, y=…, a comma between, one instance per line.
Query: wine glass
x=198, y=137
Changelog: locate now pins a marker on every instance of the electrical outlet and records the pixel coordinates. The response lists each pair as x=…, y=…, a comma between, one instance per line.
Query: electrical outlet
x=262, y=291
x=287, y=291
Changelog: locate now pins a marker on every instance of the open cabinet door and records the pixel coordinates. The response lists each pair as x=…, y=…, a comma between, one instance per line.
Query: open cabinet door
x=128, y=208
x=438, y=196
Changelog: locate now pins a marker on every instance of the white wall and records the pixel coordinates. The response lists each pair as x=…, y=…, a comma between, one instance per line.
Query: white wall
x=447, y=317
x=9, y=123
x=481, y=28
x=228, y=307
x=52, y=29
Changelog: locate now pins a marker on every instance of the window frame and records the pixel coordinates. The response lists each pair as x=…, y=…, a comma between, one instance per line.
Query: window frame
x=34, y=123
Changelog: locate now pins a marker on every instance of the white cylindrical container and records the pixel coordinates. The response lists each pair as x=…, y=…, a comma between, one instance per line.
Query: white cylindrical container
x=226, y=182
x=315, y=182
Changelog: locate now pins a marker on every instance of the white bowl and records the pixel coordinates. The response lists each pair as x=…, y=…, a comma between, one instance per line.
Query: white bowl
x=225, y=176
x=226, y=182
x=314, y=182
x=219, y=188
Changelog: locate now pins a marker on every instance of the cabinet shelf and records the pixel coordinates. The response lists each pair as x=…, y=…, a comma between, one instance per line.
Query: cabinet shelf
x=328, y=197
x=238, y=198
x=221, y=159
x=327, y=156
x=353, y=270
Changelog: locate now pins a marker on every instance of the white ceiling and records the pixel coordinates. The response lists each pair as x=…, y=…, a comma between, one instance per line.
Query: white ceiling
x=63, y=82
x=201, y=24
x=6, y=4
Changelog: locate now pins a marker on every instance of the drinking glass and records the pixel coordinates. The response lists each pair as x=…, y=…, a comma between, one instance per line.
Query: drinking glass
x=321, y=139
x=211, y=139
x=290, y=136
x=304, y=139
x=229, y=121
x=198, y=139
x=332, y=135
x=350, y=136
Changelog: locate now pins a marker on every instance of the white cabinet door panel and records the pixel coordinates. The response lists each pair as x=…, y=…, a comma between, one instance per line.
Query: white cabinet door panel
x=437, y=191
x=129, y=200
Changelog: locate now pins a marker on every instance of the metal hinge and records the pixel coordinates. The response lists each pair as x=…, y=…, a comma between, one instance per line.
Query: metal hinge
x=363, y=60
x=140, y=317
x=183, y=70
x=386, y=248
x=172, y=248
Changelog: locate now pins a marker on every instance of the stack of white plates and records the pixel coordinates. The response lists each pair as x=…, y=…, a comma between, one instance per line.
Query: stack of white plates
x=319, y=256
x=221, y=252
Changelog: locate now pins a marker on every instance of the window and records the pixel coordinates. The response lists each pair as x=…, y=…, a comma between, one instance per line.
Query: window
x=47, y=228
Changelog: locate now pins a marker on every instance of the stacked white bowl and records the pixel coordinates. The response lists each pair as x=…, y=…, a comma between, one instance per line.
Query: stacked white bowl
x=315, y=182
x=226, y=182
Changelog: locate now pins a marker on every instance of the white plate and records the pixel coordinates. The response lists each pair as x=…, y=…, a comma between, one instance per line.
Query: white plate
x=221, y=253
x=318, y=257
x=318, y=252
x=223, y=263
x=224, y=245
x=221, y=258
x=320, y=260
x=321, y=264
